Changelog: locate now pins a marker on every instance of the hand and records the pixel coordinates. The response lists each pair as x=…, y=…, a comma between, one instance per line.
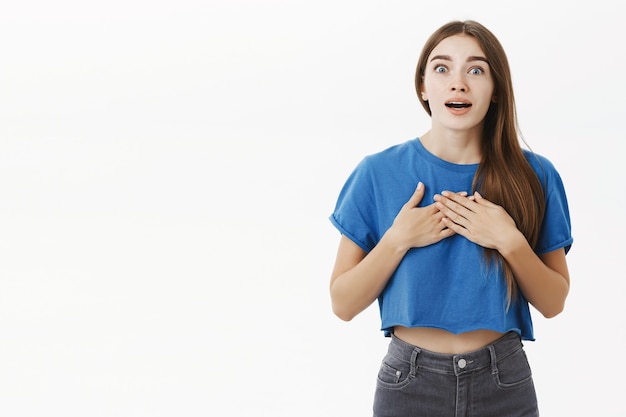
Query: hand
x=416, y=227
x=477, y=219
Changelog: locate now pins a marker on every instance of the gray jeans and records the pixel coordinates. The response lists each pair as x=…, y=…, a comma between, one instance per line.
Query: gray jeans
x=493, y=381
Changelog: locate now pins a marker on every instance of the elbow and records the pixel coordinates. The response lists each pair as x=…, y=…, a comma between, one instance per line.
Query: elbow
x=554, y=305
x=341, y=305
x=551, y=314
x=343, y=313
x=553, y=311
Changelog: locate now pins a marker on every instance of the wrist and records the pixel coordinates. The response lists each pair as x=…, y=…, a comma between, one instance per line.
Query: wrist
x=393, y=242
x=512, y=243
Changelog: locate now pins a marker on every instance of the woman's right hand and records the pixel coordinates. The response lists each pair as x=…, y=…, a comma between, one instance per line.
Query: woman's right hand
x=359, y=277
x=416, y=227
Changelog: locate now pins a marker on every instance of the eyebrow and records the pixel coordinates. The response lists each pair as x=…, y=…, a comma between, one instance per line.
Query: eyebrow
x=469, y=58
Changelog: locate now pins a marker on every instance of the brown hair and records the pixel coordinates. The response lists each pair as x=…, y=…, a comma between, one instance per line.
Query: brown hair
x=504, y=175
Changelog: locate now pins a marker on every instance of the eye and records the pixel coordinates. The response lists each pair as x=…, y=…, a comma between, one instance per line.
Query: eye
x=476, y=71
x=441, y=69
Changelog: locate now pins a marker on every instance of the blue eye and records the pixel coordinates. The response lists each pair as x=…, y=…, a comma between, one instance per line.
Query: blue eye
x=440, y=69
x=476, y=71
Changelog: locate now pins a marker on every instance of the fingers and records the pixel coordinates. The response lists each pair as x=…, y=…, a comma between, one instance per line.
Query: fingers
x=417, y=196
x=453, y=201
x=457, y=208
x=456, y=197
x=447, y=232
x=452, y=227
x=480, y=199
x=456, y=201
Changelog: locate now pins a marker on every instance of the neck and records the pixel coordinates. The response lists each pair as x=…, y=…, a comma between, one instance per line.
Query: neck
x=455, y=147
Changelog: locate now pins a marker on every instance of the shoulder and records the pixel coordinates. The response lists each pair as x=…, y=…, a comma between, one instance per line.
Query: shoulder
x=378, y=168
x=543, y=167
x=392, y=155
x=538, y=161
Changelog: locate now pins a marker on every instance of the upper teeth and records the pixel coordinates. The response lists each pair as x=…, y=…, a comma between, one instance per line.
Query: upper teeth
x=458, y=104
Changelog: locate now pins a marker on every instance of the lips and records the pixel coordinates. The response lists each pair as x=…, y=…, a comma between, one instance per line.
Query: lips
x=458, y=104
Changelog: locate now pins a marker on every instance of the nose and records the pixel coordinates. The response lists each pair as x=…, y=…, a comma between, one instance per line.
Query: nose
x=458, y=84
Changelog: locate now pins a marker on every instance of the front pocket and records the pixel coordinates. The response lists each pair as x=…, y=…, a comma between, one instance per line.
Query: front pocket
x=394, y=372
x=513, y=371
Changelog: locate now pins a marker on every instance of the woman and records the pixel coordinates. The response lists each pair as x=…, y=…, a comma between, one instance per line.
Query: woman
x=455, y=233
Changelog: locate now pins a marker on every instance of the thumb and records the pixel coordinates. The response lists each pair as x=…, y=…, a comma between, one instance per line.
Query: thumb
x=417, y=195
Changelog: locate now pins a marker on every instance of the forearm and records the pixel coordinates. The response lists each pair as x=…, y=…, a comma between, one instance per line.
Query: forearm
x=353, y=290
x=359, y=278
x=545, y=287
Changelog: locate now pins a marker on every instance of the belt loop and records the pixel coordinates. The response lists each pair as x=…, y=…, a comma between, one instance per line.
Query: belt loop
x=414, y=354
x=494, y=360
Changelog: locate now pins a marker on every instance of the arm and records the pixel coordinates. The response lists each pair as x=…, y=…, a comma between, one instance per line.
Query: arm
x=359, y=277
x=544, y=280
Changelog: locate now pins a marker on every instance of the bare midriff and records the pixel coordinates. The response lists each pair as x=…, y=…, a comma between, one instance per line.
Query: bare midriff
x=442, y=341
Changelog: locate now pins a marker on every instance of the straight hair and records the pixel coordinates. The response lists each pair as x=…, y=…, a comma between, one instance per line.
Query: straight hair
x=504, y=175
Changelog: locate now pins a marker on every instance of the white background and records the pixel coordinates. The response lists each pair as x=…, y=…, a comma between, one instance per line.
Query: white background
x=167, y=170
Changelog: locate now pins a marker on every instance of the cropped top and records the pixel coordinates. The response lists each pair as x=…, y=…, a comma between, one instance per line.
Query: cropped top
x=446, y=285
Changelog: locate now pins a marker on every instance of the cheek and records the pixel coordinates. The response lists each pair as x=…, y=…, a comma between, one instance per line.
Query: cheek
x=429, y=90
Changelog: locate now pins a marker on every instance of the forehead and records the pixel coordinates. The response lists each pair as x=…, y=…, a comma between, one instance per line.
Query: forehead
x=458, y=46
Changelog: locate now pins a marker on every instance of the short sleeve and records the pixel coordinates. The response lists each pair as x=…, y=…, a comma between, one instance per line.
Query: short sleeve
x=556, y=228
x=355, y=211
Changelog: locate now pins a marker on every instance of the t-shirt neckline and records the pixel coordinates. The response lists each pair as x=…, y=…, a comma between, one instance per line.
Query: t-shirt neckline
x=432, y=158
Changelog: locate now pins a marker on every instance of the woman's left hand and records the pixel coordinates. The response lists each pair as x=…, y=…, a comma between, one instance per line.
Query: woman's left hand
x=477, y=219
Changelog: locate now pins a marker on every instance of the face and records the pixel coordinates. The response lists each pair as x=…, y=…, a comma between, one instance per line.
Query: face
x=458, y=84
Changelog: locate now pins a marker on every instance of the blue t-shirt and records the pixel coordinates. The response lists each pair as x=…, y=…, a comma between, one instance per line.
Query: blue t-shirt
x=446, y=285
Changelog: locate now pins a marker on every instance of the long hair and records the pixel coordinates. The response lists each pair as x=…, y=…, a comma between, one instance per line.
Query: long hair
x=504, y=176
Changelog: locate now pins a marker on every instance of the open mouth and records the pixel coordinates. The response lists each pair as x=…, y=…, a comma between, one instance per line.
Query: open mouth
x=458, y=105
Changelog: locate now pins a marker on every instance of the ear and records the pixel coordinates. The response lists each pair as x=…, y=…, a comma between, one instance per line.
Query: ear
x=423, y=94
x=494, y=99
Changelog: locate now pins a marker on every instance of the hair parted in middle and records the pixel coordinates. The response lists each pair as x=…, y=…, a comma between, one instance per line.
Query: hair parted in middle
x=504, y=176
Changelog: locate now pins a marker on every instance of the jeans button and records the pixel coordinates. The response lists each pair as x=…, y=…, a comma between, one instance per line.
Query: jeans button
x=462, y=363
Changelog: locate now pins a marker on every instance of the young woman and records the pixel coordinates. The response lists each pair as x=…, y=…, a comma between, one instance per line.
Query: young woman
x=455, y=233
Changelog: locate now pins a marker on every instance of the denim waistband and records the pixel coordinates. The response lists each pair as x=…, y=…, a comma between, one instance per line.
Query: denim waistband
x=456, y=364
